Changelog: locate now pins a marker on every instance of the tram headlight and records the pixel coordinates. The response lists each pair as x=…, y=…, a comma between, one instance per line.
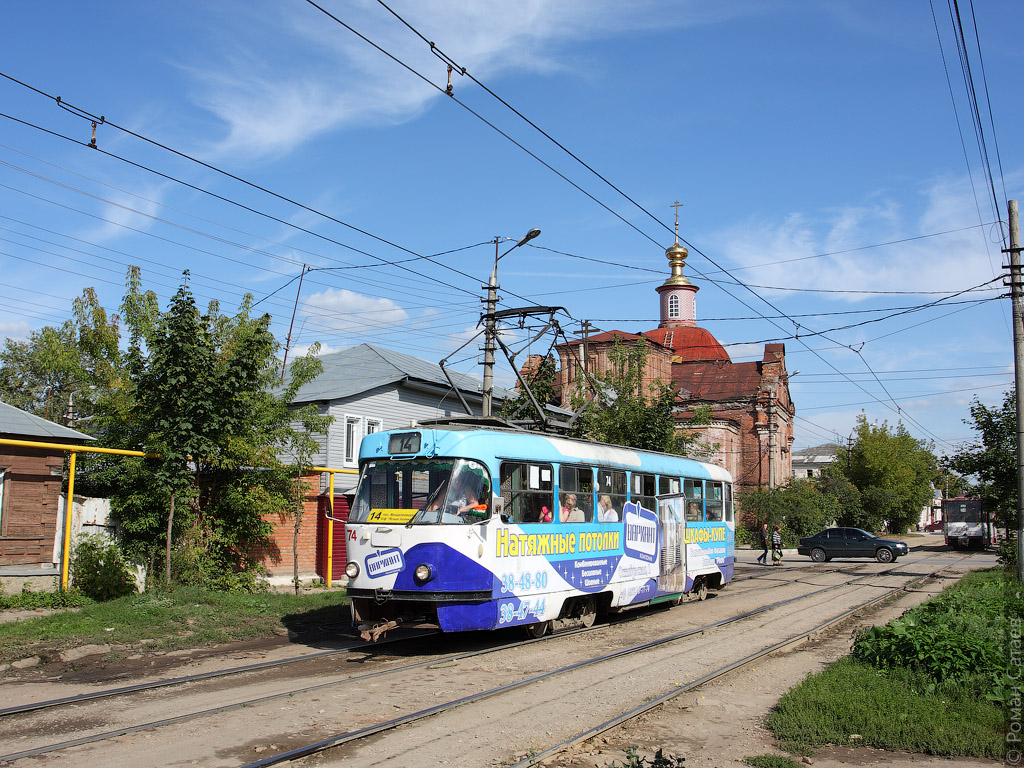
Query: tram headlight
x=423, y=573
x=352, y=570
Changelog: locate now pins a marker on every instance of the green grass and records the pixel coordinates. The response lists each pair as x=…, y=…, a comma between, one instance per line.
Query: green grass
x=168, y=620
x=933, y=681
x=771, y=761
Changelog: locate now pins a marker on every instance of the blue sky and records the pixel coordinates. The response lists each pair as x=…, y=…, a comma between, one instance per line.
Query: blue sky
x=814, y=146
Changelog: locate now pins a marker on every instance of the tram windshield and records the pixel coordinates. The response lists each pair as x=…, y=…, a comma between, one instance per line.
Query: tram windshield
x=425, y=492
x=963, y=511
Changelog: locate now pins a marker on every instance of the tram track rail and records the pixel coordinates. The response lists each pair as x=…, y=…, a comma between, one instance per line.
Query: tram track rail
x=365, y=732
x=199, y=676
x=732, y=666
x=265, y=665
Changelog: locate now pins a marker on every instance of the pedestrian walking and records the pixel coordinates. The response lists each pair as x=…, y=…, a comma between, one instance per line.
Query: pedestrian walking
x=765, y=539
x=776, y=547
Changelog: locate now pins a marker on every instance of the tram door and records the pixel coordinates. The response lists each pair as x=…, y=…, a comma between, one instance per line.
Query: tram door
x=672, y=573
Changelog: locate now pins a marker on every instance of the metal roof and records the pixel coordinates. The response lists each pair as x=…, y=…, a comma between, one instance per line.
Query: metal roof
x=17, y=423
x=364, y=367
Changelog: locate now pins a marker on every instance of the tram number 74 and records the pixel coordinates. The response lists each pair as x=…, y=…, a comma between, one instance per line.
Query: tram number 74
x=526, y=581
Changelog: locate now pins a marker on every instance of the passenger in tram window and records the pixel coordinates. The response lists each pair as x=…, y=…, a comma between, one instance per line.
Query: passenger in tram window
x=545, y=515
x=605, y=512
x=570, y=513
x=693, y=513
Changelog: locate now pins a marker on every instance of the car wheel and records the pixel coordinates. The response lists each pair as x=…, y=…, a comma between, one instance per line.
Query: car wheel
x=818, y=555
x=884, y=555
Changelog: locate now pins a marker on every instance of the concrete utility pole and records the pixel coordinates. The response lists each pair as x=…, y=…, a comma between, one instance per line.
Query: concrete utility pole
x=490, y=325
x=1018, y=365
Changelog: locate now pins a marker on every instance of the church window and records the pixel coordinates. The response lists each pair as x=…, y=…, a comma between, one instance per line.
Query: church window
x=673, y=306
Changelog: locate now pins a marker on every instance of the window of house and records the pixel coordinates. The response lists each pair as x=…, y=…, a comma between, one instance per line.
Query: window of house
x=352, y=438
x=373, y=425
x=673, y=306
x=528, y=492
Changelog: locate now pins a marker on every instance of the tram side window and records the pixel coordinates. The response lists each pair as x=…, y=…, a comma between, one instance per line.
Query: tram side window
x=729, y=506
x=644, y=490
x=694, y=492
x=668, y=485
x=527, y=491
x=576, y=494
x=612, y=484
x=714, y=503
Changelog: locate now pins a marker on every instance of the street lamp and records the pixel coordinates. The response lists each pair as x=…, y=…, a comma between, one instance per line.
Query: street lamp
x=490, y=330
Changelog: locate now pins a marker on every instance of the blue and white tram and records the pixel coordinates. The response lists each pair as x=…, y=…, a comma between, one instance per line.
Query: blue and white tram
x=466, y=529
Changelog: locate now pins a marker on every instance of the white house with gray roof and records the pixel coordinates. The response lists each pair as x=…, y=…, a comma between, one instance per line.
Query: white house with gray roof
x=809, y=462
x=369, y=389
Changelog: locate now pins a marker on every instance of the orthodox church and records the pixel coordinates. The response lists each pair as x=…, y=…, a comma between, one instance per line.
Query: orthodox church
x=750, y=406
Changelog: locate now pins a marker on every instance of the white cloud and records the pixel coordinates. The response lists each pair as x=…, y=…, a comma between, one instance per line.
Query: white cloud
x=280, y=79
x=779, y=253
x=346, y=311
x=17, y=330
x=122, y=210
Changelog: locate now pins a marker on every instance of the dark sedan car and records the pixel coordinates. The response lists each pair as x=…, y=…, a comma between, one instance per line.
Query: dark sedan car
x=850, y=542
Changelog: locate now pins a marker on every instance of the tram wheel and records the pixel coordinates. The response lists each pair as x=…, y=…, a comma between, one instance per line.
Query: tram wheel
x=700, y=588
x=537, y=630
x=588, y=611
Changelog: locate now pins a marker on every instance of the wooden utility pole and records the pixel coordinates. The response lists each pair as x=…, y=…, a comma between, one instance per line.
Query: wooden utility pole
x=1018, y=365
x=288, y=342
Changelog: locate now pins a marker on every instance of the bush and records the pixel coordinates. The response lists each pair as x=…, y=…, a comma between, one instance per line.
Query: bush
x=1007, y=554
x=28, y=600
x=99, y=570
x=959, y=636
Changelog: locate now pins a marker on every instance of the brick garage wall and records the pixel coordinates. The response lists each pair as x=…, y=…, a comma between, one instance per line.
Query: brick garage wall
x=30, y=500
x=277, y=556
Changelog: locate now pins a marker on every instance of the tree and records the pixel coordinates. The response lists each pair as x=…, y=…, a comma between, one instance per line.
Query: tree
x=893, y=473
x=799, y=508
x=841, y=501
x=992, y=458
x=199, y=394
x=622, y=413
x=64, y=373
x=542, y=379
x=299, y=442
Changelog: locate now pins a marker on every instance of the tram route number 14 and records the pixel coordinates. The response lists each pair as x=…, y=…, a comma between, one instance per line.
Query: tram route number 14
x=525, y=581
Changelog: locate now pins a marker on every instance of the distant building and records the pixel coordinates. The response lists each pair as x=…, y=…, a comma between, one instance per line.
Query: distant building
x=809, y=462
x=750, y=405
